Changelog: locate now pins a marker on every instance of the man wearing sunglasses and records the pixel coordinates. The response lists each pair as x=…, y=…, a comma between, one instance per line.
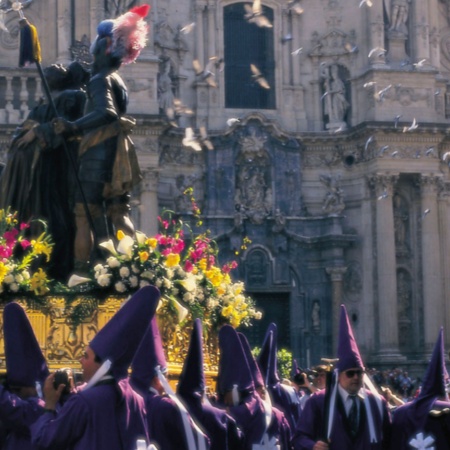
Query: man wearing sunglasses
x=346, y=415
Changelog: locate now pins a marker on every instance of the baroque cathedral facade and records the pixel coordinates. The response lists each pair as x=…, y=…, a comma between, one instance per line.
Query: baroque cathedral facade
x=328, y=121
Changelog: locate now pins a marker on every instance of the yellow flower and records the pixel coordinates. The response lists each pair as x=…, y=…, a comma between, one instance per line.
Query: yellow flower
x=202, y=264
x=152, y=242
x=42, y=248
x=172, y=259
x=120, y=235
x=143, y=256
x=38, y=282
x=3, y=271
x=227, y=311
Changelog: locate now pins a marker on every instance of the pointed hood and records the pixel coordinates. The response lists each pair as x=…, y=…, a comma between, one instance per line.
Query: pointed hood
x=433, y=385
x=267, y=358
x=347, y=352
x=192, y=378
x=294, y=369
x=412, y=416
x=25, y=363
x=233, y=366
x=119, y=339
x=148, y=357
x=258, y=379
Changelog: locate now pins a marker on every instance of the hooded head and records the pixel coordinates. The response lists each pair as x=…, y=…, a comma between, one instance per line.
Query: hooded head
x=434, y=382
x=254, y=369
x=25, y=363
x=149, y=356
x=347, y=352
x=119, y=339
x=267, y=358
x=192, y=378
x=234, y=371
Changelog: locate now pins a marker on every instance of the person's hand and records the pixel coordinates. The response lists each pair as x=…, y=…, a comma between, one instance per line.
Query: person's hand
x=63, y=126
x=320, y=445
x=52, y=395
x=27, y=138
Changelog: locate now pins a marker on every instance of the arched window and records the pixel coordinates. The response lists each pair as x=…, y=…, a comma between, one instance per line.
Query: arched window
x=245, y=44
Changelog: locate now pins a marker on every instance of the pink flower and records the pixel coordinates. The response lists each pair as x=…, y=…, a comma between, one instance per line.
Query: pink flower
x=188, y=266
x=24, y=243
x=10, y=236
x=5, y=252
x=24, y=225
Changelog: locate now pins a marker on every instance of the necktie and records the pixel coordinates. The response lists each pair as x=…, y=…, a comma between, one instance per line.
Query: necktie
x=353, y=416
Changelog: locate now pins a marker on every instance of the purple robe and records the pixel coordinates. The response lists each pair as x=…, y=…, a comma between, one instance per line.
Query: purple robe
x=250, y=417
x=16, y=416
x=409, y=420
x=216, y=423
x=108, y=416
x=286, y=399
x=165, y=424
x=310, y=426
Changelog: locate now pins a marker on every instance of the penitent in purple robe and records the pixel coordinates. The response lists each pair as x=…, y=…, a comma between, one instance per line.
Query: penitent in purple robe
x=165, y=424
x=108, y=416
x=220, y=427
x=310, y=426
x=250, y=416
x=16, y=416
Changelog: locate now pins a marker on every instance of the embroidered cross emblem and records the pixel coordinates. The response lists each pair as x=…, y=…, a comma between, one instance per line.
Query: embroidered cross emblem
x=421, y=442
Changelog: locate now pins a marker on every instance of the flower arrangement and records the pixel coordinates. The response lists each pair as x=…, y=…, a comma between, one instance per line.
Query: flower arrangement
x=184, y=267
x=21, y=257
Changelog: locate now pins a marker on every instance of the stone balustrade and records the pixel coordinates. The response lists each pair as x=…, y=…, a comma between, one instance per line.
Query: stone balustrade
x=20, y=91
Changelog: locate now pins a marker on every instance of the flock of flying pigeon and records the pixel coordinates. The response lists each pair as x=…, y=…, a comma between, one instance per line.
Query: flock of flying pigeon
x=253, y=14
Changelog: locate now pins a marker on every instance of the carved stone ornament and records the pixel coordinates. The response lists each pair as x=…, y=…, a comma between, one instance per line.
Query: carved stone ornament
x=334, y=43
x=333, y=203
x=253, y=192
x=80, y=52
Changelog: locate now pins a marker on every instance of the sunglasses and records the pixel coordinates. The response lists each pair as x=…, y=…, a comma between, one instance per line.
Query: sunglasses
x=352, y=372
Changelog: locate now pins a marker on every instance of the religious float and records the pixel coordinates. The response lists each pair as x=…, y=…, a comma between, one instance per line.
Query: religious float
x=65, y=317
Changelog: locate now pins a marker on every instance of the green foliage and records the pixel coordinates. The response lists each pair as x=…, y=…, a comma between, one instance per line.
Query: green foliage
x=284, y=358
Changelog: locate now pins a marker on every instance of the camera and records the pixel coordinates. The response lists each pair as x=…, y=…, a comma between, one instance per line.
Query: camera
x=299, y=378
x=63, y=376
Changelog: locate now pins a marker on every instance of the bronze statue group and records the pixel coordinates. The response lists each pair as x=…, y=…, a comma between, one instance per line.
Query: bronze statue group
x=125, y=401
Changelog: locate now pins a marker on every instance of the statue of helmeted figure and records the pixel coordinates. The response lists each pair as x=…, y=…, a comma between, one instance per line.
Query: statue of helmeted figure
x=108, y=167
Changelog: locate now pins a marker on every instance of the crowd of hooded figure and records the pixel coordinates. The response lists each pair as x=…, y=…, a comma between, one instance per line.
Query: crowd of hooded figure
x=125, y=401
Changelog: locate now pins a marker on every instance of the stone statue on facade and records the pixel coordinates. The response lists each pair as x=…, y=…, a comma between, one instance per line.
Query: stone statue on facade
x=315, y=316
x=398, y=12
x=333, y=203
x=165, y=93
x=336, y=104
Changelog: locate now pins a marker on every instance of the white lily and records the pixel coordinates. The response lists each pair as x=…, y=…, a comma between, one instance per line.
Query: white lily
x=109, y=245
x=75, y=280
x=125, y=246
x=140, y=237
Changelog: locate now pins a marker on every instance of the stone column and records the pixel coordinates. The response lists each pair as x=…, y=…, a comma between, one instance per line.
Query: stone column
x=211, y=33
x=148, y=207
x=444, y=243
x=376, y=36
x=433, y=305
x=63, y=29
x=200, y=35
x=434, y=19
x=421, y=30
x=337, y=276
x=386, y=267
